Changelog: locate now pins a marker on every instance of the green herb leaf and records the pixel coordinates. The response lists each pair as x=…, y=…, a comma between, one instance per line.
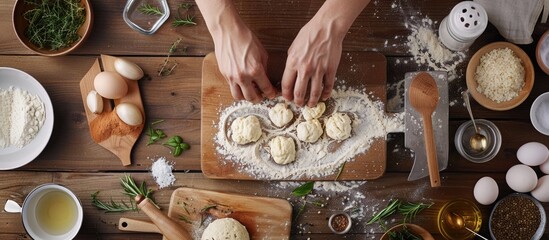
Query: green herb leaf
x=387, y=211
x=113, y=206
x=185, y=219
x=187, y=21
x=340, y=170
x=54, y=24
x=304, y=189
x=131, y=189
x=177, y=151
x=151, y=10
x=409, y=210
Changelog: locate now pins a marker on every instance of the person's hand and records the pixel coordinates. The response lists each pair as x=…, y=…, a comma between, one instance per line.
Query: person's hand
x=242, y=61
x=312, y=63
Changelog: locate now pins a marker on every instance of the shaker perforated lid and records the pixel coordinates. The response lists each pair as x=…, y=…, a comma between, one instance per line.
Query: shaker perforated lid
x=467, y=20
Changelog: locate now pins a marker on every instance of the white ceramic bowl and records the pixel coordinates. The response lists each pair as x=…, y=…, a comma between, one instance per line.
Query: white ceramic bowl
x=29, y=215
x=13, y=157
x=539, y=113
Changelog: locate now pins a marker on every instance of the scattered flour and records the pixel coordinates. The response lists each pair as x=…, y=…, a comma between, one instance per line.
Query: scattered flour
x=318, y=159
x=427, y=49
x=21, y=116
x=162, y=172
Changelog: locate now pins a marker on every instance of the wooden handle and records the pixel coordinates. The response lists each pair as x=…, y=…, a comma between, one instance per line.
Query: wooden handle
x=169, y=228
x=134, y=225
x=431, y=151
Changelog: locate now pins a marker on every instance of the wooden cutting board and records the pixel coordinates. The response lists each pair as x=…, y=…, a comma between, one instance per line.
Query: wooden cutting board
x=119, y=145
x=358, y=69
x=264, y=218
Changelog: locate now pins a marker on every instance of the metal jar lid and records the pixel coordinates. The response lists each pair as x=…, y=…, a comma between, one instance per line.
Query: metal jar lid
x=466, y=131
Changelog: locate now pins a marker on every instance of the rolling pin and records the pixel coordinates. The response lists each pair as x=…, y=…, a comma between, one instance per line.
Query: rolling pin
x=169, y=228
x=134, y=225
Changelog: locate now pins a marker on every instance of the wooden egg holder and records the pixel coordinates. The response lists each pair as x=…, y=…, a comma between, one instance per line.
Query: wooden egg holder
x=119, y=145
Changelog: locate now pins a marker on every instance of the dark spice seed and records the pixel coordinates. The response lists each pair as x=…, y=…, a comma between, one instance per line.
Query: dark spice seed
x=515, y=218
x=340, y=222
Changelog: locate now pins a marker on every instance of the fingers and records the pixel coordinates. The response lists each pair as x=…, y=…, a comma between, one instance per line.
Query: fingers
x=288, y=82
x=235, y=91
x=264, y=85
x=316, y=89
x=252, y=87
x=328, y=85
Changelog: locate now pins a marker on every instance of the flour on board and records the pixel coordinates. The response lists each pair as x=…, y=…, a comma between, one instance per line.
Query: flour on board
x=312, y=159
x=22, y=114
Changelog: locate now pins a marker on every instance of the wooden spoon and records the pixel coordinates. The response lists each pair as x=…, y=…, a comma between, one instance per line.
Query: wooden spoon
x=169, y=228
x=424, y=99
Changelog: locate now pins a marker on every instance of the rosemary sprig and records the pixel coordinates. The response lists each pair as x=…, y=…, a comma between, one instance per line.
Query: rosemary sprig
x=168, y=66
x=131, y=189
x=304, y=189
x=185, y=219
x=186, y=21
x=387, y=211
x=150, y=10
x=410, y=210
x=112, y=206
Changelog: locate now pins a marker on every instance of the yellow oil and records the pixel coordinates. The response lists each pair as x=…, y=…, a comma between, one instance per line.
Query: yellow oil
x=56, y=212
x=472, y=218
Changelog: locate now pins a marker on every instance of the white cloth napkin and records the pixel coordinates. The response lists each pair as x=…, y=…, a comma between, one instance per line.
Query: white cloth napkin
x=514, y=19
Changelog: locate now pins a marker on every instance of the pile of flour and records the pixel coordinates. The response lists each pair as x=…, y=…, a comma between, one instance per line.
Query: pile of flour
x=21, y=116
x=318, y=159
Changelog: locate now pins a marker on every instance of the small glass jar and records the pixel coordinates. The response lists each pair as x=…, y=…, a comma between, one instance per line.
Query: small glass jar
x=145, y=23
x=486, y=128
x=472, y=218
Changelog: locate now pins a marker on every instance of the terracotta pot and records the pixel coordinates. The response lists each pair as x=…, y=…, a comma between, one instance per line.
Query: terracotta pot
x=415, y=229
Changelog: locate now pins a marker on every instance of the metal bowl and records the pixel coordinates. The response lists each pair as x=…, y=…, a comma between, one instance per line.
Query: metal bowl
x=543, y=218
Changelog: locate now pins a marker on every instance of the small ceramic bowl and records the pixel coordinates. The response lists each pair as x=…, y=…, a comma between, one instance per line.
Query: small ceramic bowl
x=20, y=25
x=487, y=102
x=539, y=113
x=338, y=218
x=542, y=52
x=412, y=228
x=518, y=217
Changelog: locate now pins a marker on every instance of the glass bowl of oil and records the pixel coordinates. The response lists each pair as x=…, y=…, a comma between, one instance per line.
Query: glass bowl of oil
x=472, y=219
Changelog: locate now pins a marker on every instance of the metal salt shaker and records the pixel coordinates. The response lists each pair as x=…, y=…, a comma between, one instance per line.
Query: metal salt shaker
x=463, y=25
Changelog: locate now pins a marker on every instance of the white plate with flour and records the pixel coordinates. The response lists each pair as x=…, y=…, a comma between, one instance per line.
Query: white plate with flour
x=13, y=157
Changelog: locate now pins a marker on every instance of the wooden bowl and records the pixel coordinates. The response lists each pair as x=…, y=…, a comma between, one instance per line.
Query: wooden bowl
x=415, y=229
x=20, y=25
x=523, y=93
x=542, y=52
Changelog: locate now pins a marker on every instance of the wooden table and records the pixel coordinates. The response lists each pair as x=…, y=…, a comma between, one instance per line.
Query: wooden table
x=73, y=159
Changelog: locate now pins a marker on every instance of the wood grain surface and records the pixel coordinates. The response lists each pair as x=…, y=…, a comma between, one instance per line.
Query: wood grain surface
x=358, y=70
x=73, y=159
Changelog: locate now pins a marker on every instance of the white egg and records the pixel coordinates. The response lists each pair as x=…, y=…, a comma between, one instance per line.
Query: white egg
x=486, y=191
x=128, y=69
x=544, y=167
x=521, y=178
x=541, y=192
x=533, y=153
x=129, y=114
x=110, y=85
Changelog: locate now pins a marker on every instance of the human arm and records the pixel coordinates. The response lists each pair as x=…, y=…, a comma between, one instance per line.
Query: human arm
x=241, y=57
x=314, y=55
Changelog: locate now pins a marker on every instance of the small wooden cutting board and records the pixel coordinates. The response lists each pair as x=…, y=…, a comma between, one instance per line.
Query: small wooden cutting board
x=264, y=218
x=119, y=145
x=357, y=69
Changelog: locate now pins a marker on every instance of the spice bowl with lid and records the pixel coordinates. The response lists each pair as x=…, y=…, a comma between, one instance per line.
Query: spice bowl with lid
x=467, y=130
x=542, y=52
x=340, y=222
x=517, y=216
x=472, y=73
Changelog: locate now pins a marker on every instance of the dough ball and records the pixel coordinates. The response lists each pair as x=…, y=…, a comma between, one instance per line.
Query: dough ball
x=282, y=149
x=246, y=129
x=280, y=115
x=313, y=113
x=309, y=131
x=338, y=126
x=225, y=228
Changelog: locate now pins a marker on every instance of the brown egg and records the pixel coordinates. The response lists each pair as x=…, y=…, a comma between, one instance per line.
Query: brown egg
x=110, y=85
